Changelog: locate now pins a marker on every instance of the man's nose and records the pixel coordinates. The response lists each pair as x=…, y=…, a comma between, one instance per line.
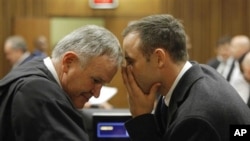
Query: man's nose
x=96, y=91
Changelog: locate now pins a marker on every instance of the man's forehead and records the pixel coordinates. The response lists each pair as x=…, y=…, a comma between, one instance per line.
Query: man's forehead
x=104, y=67
x=131, y=45
x=130, y=54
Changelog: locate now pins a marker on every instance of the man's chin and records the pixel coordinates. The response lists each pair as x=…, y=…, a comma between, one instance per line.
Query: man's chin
x=79, y=106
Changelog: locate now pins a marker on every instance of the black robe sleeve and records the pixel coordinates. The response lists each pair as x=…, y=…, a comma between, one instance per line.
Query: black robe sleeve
x=42, y=111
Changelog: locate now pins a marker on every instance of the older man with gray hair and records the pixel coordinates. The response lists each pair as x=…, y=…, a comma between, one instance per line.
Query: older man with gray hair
x=39, y=100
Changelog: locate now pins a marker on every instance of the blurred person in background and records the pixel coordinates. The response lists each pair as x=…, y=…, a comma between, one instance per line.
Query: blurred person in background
x=224, y=61
x=240, y=44
x=41, y=47
x=244, y=62
x=16, y=51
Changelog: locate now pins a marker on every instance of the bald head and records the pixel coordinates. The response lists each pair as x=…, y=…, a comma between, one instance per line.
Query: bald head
x=41, y=43
x=240, y=45
x=246, y=60
x=245, y=66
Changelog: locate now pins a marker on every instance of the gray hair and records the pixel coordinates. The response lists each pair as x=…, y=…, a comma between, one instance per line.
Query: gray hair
x=87, y=42
x=17, y=42
x=160, y=31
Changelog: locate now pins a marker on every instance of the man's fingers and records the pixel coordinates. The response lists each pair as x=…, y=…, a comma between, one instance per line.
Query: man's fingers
x=154, y=89
x=124, y=75
x=125, y=79
x=131, y=80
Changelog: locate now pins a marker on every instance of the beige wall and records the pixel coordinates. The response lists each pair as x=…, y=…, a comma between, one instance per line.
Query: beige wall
x=61, y=26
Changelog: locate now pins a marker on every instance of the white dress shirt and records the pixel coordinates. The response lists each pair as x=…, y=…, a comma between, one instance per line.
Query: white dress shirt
x=48, y=63
x=168, y=96
x=239, y=83
x=225, y=66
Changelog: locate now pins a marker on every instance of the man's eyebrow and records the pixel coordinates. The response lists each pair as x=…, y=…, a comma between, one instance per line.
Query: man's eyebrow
x=99, y=79
x=102, y=81
x=128, y=58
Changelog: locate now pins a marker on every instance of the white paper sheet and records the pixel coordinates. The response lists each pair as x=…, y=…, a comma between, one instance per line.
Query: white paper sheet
x=105, y=94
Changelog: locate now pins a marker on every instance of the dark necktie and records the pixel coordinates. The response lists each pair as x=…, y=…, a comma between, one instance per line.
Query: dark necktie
x=248, y=102
x=164, y=114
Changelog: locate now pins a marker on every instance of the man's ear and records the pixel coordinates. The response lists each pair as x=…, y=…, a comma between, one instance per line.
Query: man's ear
x=69, y=59
x=160, y=57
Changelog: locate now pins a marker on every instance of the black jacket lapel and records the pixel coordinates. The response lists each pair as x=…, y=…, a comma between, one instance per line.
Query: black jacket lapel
x=181, y=91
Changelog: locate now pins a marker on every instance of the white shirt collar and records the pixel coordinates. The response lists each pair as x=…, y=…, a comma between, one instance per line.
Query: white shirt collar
x=170, y=92
x=48, y=63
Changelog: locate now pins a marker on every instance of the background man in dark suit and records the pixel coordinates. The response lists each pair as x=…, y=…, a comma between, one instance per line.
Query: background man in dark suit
x=196, y=102
x=39, y=99
x=41, y=47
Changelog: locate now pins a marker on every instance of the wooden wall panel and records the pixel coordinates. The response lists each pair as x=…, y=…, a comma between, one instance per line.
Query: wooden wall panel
x=215, y=25
x=5, y=31
x=234, y=17
x=196, y=22
x=207, y=20
x=11, y=9
x=238, y=17
x=247, y=27
x=2, y=58
x=226, y=16
x=205, y=32
x=126, y=8
x=31, y=28
x=197, y=26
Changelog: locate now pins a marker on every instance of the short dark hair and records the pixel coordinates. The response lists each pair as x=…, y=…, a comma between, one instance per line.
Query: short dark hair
x=223, y=40
x=160, y=31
